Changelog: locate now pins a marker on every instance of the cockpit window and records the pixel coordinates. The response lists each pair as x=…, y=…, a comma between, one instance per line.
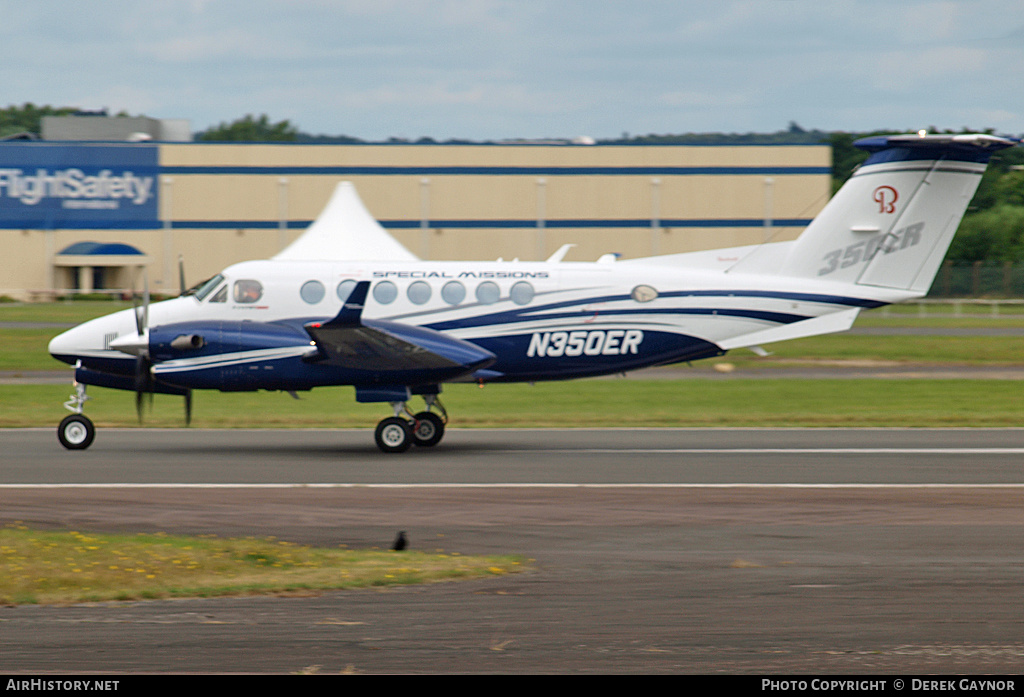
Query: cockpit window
x=248, y=291
x=207, y=287
x=221, y=296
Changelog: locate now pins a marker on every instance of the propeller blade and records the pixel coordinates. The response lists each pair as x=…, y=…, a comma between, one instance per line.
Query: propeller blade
x=181, y=275
x=145, y=301
x=143, y=376
x=138, y=405
x=139, y=320
x=142, y=312
x=143, y=384
x=188, y=408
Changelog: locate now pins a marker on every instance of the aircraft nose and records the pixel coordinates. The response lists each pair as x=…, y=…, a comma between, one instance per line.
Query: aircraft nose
x=69, y=346
x=62, y=347
x=85, y=339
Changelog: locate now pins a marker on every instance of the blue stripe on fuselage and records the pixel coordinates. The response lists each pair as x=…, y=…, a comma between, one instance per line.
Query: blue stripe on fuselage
x=546, y=311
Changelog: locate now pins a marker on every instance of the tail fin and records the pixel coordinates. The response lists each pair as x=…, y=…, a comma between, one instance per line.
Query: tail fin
x=891, y=224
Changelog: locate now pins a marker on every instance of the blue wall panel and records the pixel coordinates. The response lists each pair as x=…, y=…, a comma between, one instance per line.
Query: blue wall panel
x=47, y=186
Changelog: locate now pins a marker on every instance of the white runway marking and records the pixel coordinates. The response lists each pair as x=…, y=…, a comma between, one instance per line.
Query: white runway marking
x=780, y=451
x=506, y=485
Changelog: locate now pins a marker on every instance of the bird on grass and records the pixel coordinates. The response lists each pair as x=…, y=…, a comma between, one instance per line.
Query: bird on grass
x=400, y=542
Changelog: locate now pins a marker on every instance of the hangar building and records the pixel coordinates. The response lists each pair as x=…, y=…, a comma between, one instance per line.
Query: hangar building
x=85, y=216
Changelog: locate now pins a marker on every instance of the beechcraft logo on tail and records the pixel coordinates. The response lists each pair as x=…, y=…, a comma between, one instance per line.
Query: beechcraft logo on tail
x=886, y=197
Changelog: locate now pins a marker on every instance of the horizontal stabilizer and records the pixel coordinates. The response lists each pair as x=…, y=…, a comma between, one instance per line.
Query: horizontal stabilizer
x=825, y=324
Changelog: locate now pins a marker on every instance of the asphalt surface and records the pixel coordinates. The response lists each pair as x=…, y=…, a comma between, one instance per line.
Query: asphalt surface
x=654, y=551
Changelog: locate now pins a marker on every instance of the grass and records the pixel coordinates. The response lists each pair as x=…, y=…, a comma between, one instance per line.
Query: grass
x=40, y=567
x=582, y=403
x=924, y=349
x=60, y=312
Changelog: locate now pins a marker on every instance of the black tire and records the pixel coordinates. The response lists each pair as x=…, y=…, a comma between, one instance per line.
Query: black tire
x=427, y=429
x=393, y=435
x=76, y=432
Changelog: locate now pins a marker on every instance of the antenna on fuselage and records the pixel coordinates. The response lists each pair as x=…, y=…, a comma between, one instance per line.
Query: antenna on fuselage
x=181, y=275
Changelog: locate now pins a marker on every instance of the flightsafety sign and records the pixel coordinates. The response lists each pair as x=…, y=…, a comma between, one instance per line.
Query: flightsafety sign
x=47, y=186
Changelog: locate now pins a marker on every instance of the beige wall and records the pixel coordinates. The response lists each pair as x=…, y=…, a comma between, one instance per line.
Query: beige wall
x=248, y=193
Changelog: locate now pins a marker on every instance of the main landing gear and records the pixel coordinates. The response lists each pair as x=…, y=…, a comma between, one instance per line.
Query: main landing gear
x=76, y=431
x=398, y=433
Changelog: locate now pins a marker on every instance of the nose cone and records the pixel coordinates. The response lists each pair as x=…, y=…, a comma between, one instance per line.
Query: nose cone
x=66, y=347
x=92, y=338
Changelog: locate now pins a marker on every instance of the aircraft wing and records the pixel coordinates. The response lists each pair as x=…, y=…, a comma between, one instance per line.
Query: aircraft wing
x=382, y=346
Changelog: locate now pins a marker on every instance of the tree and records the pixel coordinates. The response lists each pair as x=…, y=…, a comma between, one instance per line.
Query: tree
x=28, y=117
x=251, y=129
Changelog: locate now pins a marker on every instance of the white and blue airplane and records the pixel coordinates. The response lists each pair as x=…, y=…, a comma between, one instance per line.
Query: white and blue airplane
x=346, y=304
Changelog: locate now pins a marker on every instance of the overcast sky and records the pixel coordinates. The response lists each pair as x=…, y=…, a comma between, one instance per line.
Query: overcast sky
x=490, y=69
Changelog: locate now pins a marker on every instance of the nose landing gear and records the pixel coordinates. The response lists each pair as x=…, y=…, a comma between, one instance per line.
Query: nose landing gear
x=76, y=431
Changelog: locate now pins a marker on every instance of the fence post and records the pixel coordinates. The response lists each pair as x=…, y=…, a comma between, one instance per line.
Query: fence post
x=947, y=279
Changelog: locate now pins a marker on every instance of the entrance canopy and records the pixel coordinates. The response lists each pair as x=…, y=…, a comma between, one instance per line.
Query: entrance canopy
x=100, y=254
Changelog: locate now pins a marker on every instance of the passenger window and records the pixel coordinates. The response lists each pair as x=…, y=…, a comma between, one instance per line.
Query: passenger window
x=312, y=292
x=419, y=292
x=385, y=292
x=488, y=293
x=345, y=289
x=453, y=292
x=248, y=291
x=221, y=296
x=521, y=293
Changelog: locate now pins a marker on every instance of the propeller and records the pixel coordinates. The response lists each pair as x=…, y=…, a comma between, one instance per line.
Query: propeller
x=144, y=382
x=143, y=375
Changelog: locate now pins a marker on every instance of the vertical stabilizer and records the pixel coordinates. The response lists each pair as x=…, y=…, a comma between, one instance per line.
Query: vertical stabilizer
x=345, y=231
x=891, y=224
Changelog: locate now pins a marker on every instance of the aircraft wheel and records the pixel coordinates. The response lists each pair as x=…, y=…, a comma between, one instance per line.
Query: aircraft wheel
x=394, y=435
x=428, y=429
x=76, y=432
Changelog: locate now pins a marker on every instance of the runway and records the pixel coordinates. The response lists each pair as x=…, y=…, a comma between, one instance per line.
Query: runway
x=664, y=550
